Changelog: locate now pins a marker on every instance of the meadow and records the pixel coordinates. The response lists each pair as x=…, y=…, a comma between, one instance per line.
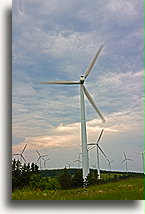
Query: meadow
x=127, y=189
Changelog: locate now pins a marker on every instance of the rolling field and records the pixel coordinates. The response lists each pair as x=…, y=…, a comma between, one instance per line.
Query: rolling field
x=128, y=189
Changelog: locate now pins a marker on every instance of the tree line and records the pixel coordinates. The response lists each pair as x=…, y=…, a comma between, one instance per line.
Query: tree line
x=29, y=175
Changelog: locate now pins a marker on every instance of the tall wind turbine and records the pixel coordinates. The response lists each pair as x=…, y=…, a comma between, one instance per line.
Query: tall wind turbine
x=21, y=154
x=40, y=157
x=83, y=91
x=125, y=160
x=142, y=154
x=98, y=148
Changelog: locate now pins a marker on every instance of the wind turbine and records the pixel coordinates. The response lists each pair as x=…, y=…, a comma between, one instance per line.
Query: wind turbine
x=83, y=91
x=78, y=162
x=98, y=148
x=21, y=154
x=142, y=154
x=125, y=160
x=45, y=160
x=39, y=158
x=109, y=164
x=68, y=165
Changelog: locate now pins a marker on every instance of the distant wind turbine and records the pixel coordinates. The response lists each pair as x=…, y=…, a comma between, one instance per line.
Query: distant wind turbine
x=98, y=148
x=83, y=91
x=21, y=154
x=45, y=161
x=68, y=165
x=40, y=157
x=142, y=154
x=125, y=160
x=75, y=161
x=109, y=164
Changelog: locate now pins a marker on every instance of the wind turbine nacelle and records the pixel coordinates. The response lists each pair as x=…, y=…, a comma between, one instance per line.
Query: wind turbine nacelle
x=82, y=79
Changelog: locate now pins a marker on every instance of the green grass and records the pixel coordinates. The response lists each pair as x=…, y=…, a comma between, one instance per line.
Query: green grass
x=128, y=189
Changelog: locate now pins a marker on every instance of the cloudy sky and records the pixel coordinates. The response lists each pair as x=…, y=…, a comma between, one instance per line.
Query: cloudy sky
x=56, y=40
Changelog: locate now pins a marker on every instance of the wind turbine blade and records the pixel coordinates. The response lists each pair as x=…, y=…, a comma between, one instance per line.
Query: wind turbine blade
x=93, y=61
x=38, y=159
x=16, y=154
x=102, y=151
x=108, y=160
x=124, y=155
x=23, y=158
x=91, y=148
x=77, y=161
x=123, y=160
x=91, y=144
x=24, y=149
x=129, y=159
x=44, y=155
x=100, y=136
x=38, y=152
x=93, y=104
x=60, y=82
x=140, y=153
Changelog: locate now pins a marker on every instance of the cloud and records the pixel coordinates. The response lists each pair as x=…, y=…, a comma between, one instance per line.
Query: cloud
x=69, y=135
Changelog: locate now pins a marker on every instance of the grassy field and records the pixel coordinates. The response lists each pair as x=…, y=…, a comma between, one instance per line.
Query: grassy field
x=128, y=189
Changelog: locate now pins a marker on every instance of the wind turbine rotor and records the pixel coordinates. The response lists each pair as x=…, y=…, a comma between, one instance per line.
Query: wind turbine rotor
x=93, y=62
x=60, y=82
x=93, y=104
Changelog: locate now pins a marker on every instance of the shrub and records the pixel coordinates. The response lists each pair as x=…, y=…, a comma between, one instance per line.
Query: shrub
x=53, y=184
x=65, y=180
x=44, y=183
x=92, y=178
x=77, y=180
x=35, y=181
